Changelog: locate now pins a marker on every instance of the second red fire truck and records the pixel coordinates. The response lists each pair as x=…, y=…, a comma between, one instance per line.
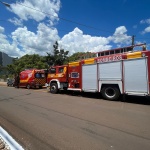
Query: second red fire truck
x=112, y=73
x=32, y=78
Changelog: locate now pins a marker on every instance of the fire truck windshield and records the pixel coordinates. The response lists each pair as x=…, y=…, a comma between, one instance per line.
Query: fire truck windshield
x=52, y=70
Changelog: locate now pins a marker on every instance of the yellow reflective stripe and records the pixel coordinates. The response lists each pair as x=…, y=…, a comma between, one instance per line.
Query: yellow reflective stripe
x=89, y=61
x=74, y=63
x=134, y=55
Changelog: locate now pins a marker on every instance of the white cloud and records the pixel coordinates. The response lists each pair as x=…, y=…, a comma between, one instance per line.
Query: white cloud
x=120, y=36
x=147, y=21
x=120, y=30
x=2, y=36
x=27, y=42
x=41, y=41
x=16, y=21
x=146, y=30
x=37, y=10
x=76, y=41
x=6, y=47
x=38, y=43
x=2, y=29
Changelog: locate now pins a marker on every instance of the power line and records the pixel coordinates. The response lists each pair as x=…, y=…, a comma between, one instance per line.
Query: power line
x=59, y=30
x=71, y=21
x=63, y=30
x=67, y=20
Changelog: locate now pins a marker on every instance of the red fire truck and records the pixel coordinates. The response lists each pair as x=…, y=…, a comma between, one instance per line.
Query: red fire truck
x=112, y=73
x=32, y=78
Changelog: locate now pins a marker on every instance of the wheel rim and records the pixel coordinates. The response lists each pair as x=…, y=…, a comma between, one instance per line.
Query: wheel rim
x=110, y=92
x=53, y=88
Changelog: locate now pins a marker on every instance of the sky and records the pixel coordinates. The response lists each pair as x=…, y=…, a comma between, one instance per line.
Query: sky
x=33, y=26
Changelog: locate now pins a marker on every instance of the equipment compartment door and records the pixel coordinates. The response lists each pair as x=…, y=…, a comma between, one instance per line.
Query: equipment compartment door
x=136, y=76
x=89, y=78
x=110, y=71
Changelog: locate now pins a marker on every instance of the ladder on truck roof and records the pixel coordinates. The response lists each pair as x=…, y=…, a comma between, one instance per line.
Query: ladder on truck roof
x=110, y=52
x=118, y=50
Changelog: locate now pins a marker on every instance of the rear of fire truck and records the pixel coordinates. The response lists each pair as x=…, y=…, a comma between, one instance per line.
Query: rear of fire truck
x=32, y=78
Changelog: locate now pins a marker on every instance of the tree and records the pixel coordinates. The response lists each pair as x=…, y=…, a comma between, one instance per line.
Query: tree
x=58, y=57
x=75, y=56
x=81, y=55
x=27, y=62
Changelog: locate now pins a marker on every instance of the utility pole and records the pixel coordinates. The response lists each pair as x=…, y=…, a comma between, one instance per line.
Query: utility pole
x=133, y=36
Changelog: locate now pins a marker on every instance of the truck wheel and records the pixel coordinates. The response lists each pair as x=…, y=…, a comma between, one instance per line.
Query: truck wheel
x=54, y=88
x=28, y=86
x=110, y=93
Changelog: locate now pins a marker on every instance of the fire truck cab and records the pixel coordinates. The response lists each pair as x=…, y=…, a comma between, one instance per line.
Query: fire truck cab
x=57, y=78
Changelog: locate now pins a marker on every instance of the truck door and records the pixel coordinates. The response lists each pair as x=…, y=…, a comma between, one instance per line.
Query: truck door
x=89, y=78
x=58, y=72
x=51, y=74
x=136, y=76
x=61, y=73
x=74, y=75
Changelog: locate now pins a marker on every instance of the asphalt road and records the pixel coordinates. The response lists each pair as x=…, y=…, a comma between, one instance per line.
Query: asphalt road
x=39, y=120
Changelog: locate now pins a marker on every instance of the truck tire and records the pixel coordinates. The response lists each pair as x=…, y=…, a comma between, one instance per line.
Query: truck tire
x=110, y=92
x=53, y=88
